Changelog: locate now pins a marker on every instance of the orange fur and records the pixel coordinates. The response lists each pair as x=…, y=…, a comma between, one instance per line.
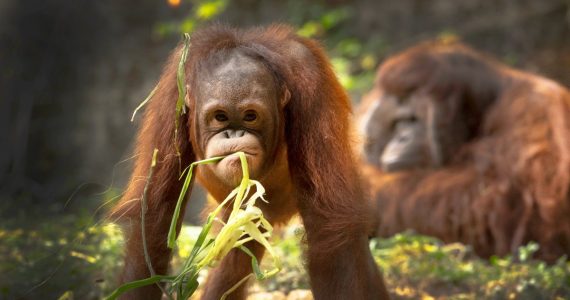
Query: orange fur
x=506, y=186
x=315, y=170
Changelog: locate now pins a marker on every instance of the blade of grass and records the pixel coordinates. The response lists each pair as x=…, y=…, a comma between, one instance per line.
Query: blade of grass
x=175, y=217
x=144, y=208
x=145, y=101
x=181, y=77
x=244, y=224
x=143, y=214
x=254, y=263
x=180, y=80
x=244, y=182
x=190, y=287
x=233, y=288
x=137, y=284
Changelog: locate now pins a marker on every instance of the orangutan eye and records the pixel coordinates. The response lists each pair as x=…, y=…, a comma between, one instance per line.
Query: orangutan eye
x=250, y=116
x=220, y=116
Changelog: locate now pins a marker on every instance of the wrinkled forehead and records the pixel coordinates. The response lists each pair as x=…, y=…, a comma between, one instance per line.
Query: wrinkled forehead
x=237, y=77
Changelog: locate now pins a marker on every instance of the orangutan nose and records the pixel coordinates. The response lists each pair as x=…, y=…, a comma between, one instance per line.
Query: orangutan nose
x=232, y=133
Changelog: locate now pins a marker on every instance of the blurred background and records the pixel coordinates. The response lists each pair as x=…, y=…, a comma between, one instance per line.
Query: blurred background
x=72, y=72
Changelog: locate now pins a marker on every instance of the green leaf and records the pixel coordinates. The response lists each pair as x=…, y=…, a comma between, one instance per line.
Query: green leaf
x=254, y=263
x=187, y=181
x=145, y=101
x=181, y=77
x=208, y=10
x=137, y=284
x=310, y=29
x=190, y=287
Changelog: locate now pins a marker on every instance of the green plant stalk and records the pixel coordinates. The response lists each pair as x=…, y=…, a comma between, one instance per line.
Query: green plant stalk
x=172, y=232
x=181, y=77
x=145, y=101
x=144, y=208
x=138, y=283
x=244, y=224
x=180, y=82
x=241, y=227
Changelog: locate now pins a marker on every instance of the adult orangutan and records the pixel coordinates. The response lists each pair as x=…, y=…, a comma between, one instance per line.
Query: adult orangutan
x=464, y=148
x=273, y=95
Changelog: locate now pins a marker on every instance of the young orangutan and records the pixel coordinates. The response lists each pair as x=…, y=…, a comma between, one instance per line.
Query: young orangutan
x=273, y=95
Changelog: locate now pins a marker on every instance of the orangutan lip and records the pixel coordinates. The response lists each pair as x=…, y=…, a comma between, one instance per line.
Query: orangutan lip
x=234, y=156
x=226, y=154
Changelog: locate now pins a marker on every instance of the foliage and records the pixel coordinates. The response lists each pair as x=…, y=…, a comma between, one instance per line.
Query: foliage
x=202, y=11
x=84, y=263
x=245, y=223
x=70, y=255
x=419, y=266
x=354, y=60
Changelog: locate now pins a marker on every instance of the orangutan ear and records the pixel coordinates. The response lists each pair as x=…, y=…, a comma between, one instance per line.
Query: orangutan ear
x=285, y=98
